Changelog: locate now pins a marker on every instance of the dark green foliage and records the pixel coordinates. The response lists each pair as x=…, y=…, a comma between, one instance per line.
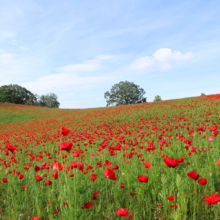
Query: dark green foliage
x=20, y=95
x=125, y=93
x=14, y=94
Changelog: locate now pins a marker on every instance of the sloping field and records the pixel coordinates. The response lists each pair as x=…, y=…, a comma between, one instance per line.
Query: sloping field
x=147, y=161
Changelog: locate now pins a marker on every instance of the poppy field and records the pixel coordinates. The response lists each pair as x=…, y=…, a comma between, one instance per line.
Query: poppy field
x=157, y=160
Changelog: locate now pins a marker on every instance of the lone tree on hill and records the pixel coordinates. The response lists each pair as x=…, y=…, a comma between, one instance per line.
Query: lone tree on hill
x=125, y=93
x=157, y=98
x=14, y=93
x=202, y=93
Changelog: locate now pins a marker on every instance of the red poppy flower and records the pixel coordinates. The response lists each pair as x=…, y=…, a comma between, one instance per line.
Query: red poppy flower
x=110, y=174
x=218, y=162
x=36, y=169
x=93, y=177
x=107, y=163
x=71, y=175
x=57, y=166
x=76, y=154
x=87, y=205
x=6, y=153
x=38, y=178
x=48, y=182
x=64, y=156
x=44, y=164
x=94, y=195
x=55, y=175
x=193, y=175
x=64, y=131
x=89, y=167
x=20, y=176
x=203, y=181
x=65, y=203
x=10, y=148
x=180, y=160
x=67, y=146
x=116, y=167
x=24, y=186
x=143, y=179
x=73, y=164
x=36, y=218
x=173, y=206
x=81, y=166
x=170, y=162
x=122, y=212
x=170, y=198
x=122, y=185
x=132, y=194
x=212, y=199
x=5, y=180
x=147, y=164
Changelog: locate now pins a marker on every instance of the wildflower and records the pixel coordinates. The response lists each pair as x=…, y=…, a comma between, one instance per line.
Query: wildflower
x=122, y=212
x=38, y=178
x=210, y=139
x=202, y=181
x=147, y=164
x=170, y=162
x=93, y=177
x=143, y=179
x=64, y=131
x=87, y=205
x=212, y=199
x=193, y=175
x=110, y=174
x=170, y=198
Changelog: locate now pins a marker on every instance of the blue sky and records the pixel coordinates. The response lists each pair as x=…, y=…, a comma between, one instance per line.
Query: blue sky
x=80, y=49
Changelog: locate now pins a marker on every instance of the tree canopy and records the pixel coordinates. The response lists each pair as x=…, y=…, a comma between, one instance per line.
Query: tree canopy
x=157, y=98
x=20, y=95
x=14, y=93
x=51, y=100
x=125, y=93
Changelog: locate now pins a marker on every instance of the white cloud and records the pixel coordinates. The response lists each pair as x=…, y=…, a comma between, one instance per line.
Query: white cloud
x=89, y=65
x=142, y=63
x=82, y=67
x=71, y=77
x=162, y=59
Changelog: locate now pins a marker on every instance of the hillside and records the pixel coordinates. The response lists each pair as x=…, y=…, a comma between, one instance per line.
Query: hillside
x=156, y=160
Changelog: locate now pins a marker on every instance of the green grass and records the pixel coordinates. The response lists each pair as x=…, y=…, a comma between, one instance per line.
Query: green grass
x=8, y=118
x=39, y=140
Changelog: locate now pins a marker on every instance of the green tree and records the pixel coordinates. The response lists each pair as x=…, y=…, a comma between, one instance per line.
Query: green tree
x=157, y=98
x=202, y=93
x=125, y=93
x=33, y=100
x=14, y=93
x=51, y=100
x=42, y=101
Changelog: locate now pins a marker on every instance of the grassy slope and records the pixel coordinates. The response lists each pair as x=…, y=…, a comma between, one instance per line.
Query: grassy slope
x=23, y=119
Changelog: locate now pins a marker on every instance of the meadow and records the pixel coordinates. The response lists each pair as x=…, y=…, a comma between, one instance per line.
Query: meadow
x=157, y=160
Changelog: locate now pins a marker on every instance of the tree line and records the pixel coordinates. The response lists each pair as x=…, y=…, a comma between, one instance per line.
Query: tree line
x=123, y=93
x=16, y=94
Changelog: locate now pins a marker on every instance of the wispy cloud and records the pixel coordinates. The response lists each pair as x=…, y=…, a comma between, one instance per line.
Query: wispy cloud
x=162, y=59
x=72, y=76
